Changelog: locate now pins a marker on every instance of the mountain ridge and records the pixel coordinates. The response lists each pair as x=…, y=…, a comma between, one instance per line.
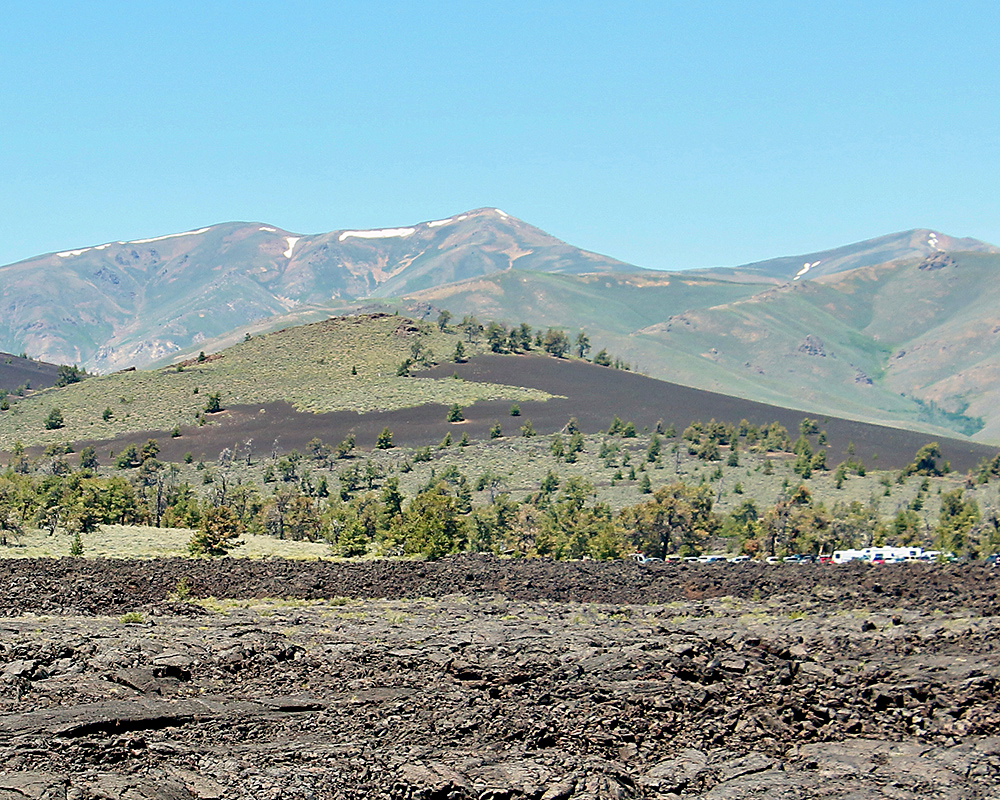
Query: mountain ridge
x=141, y=300
x=818, y=331
x=902, y=245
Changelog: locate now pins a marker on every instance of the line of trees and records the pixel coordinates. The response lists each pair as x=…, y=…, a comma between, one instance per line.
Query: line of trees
x=522, y=338
x=563, y=518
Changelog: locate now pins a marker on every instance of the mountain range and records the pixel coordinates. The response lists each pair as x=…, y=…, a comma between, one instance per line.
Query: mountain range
x=121, y=304
x=900, y=329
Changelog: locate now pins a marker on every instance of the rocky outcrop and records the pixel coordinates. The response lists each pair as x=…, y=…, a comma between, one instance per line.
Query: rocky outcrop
x=489, y=679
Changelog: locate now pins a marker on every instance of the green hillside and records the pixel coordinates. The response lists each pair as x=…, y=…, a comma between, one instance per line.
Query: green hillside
x=909, y=343
x=311, y=367
x=610, y=303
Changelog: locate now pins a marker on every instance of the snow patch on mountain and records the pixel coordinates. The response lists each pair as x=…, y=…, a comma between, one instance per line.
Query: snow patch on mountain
x=291, y=245
x=387, y=233
x=82, y=250
x=501, y=213
x=265, y=228
x=439, y=222
x=805, y=268
x=168, y=236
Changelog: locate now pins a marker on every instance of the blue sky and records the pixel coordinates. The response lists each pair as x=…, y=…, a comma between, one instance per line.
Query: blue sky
x=666, y=134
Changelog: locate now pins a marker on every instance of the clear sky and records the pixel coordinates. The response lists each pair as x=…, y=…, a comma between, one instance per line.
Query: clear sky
x=666, y=134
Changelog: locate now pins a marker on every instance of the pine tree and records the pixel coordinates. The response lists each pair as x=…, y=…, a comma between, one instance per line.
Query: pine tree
x=384, y=440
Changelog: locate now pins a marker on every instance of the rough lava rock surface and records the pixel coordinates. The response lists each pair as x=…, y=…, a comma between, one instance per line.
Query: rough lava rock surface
x=480, y=678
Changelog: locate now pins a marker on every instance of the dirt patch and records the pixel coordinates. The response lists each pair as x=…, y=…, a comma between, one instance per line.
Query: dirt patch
x=483, y=678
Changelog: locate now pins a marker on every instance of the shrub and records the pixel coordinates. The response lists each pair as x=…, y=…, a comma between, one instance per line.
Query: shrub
x=68, y=375
x=496, y=432
x=384, y=440
x=346, y=446
x=422, y=454
x=128, y=457
x=54, y=420
x=88, y=458
x=214, y=403
x=455, y=413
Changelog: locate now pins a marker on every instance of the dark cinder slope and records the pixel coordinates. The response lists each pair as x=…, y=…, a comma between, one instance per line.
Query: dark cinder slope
x=24, y=372
x=590, y=393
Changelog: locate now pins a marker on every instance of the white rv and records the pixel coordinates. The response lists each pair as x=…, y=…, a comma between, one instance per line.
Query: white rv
x=879, y=555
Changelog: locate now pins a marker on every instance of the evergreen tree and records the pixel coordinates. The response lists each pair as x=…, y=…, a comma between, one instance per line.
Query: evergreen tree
x=555, y=343
x=218, y=530
x=214, y=403
x=602, y=358
x=384, y=440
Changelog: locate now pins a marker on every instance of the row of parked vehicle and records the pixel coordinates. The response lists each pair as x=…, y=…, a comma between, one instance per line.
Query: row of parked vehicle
x=870, y=555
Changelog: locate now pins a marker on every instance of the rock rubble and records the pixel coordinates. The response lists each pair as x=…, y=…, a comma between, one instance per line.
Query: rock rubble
x=479, y=678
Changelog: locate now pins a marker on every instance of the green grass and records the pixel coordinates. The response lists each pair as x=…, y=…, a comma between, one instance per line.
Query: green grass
x=309, y=367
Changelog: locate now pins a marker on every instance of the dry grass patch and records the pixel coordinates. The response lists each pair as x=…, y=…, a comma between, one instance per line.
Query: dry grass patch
x=144, y=541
